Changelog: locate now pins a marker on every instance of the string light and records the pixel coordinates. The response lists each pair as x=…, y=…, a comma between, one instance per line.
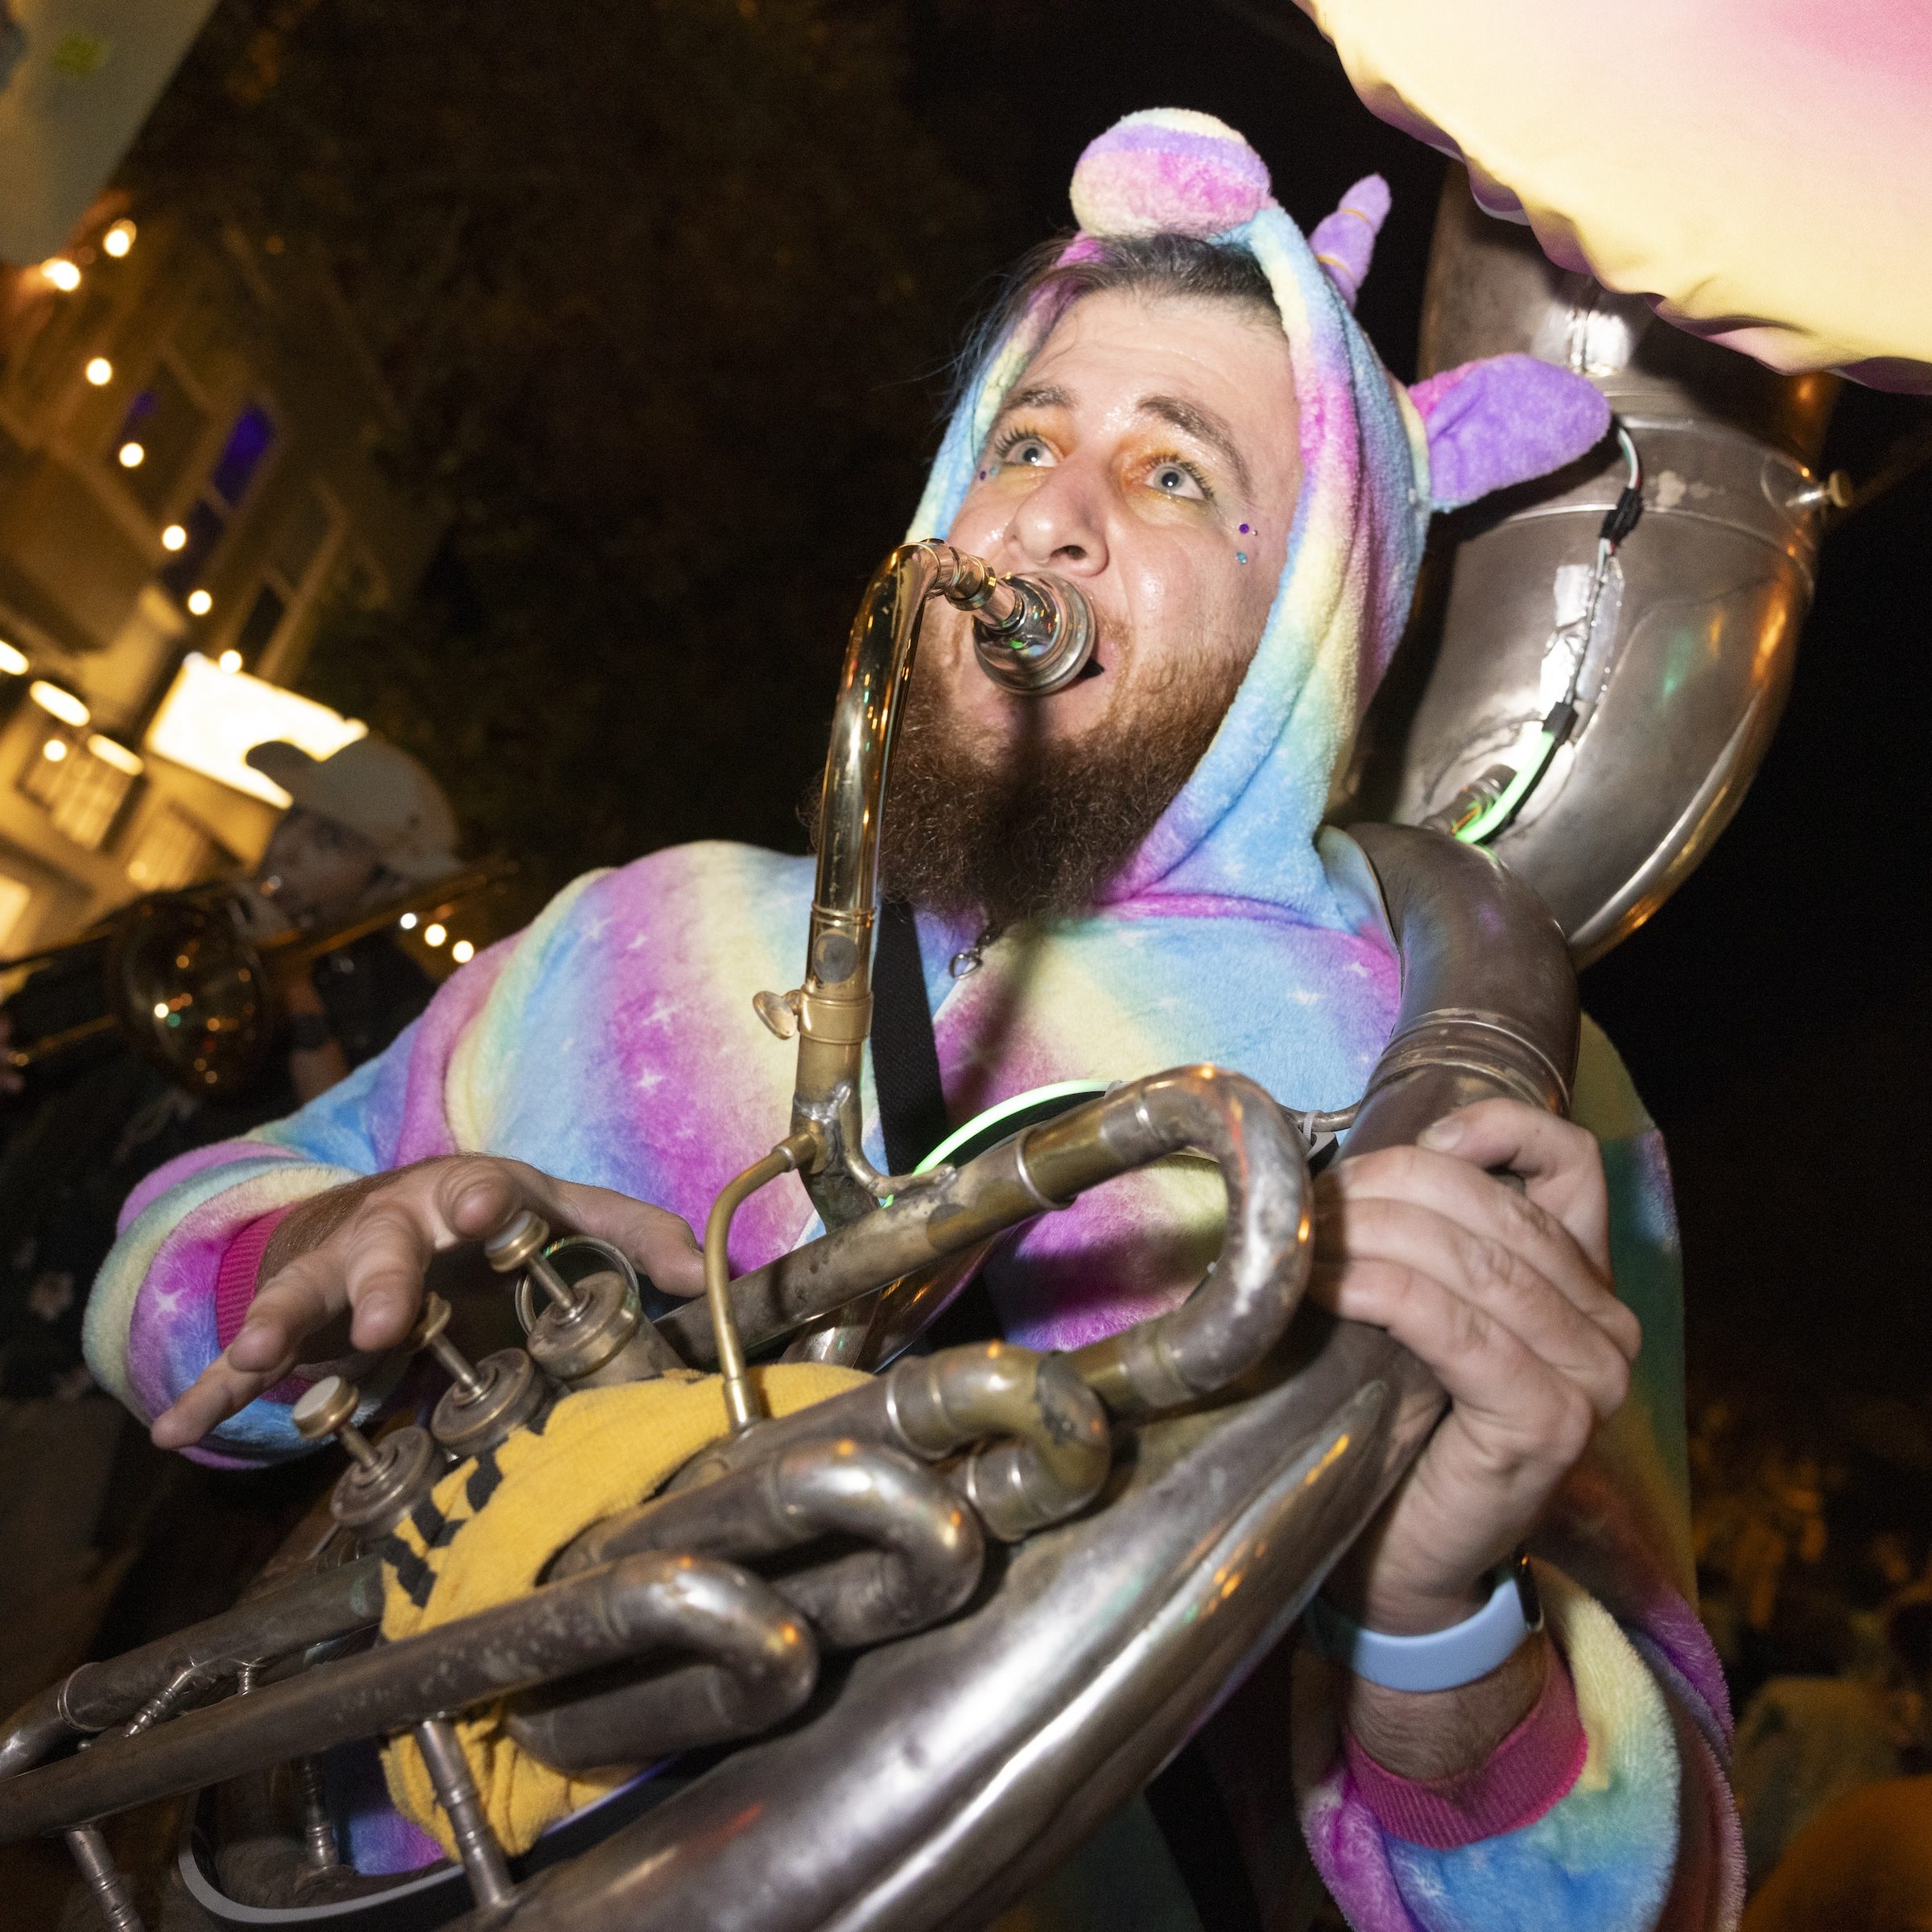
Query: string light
x=100, y=372
x=200, y=603
x=13, y=660
x=131, y=456
x=230, y=661
x=462, y=952
x=434, y=936
x=119, y=239
x=407, y=921
x=62, y=704
x=111, y=751
x=54, y=750
x=173, y=537
x=62, y=273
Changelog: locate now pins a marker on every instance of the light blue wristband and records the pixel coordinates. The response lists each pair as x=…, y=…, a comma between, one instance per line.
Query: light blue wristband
x=1443, y=1660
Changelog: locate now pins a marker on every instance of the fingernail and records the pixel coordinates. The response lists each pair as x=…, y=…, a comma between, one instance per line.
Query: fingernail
x=1441, y=1135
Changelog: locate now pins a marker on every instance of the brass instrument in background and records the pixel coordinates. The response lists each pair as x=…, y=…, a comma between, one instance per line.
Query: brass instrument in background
x=185, y=984
x=1029, y=1576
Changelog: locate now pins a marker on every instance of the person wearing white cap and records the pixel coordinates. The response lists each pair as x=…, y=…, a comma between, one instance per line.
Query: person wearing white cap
x=362, y=825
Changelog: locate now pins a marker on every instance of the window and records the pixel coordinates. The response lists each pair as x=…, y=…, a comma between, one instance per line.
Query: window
x=292, y=561
x=258, y=627
x=250, y=437
x=83, y=793
x=248, y=442
x=158, y=439
x=172, y=852
x=206, y=526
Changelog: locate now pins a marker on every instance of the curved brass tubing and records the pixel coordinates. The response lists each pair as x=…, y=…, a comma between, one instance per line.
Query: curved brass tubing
x=925, y=1551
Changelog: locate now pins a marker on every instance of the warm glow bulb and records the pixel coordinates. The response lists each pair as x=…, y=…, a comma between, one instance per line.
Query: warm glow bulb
x=13, y=660
x=200, y=604
x=62, y=274
x=160, y=1009
x=434, y=936
x=230, y=661
x=54, y=750
x=462, y=952
x=407, y=921
x=119, y=239
x=132, y=455
x=59, y=703
x=111, y=751
x=173, y=537
x=100, y=372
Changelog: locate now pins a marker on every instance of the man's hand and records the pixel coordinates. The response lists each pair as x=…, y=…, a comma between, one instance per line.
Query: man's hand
x=360, y=1251
x=1507, y=1297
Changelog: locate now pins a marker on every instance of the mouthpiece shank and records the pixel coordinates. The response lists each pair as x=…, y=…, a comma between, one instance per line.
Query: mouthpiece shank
x=1033, y=635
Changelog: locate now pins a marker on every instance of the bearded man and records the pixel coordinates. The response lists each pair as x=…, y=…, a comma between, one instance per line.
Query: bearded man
x=1177, y=413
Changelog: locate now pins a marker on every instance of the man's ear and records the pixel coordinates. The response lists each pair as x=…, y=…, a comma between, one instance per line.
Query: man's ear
x=1501, y=421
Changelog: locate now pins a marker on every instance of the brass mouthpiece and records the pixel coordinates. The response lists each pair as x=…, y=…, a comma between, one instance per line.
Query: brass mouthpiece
x=1033, y=634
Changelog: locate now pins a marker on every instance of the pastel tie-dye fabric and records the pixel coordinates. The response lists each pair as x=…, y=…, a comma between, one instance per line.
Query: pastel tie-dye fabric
x=614, y=1042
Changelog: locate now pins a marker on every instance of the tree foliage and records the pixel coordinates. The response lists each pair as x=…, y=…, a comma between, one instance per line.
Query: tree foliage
x=660, y=288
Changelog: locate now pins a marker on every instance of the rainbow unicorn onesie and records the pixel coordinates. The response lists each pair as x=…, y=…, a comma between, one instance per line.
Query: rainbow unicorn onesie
x=614, y=1042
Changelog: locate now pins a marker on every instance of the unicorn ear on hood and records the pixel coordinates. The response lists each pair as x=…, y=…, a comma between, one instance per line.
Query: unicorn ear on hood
x=1344, y=242
x=1503, y=420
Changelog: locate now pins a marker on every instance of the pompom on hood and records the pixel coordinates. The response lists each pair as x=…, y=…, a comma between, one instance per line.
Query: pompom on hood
x=1377, y=459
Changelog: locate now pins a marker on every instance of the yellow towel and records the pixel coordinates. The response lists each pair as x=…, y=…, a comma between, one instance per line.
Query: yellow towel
x=505, y=1515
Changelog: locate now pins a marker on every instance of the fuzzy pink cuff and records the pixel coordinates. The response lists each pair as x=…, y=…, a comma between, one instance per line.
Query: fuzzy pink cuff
x=1534, y=1767
x=235, y=1281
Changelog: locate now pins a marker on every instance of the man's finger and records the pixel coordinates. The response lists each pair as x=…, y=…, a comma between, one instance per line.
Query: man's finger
x=1508, y=1399
x=660, y=1244
x=218, y=1392
x=1560, y=1162
x=380, y=1260
x=477, y=1198
x=1494, y=1214
x=288, y=1309
x=1493, y=1280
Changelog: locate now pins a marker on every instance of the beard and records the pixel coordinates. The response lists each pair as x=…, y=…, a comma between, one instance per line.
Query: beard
x=1034, y=830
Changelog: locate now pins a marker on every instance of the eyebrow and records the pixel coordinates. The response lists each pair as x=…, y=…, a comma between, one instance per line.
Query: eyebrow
x=1038, y=396
x=1202, y=424
x=1204, y=427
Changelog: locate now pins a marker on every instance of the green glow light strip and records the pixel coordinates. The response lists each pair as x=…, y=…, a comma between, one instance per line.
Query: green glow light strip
x=1501, y=810
x=1020, y=1103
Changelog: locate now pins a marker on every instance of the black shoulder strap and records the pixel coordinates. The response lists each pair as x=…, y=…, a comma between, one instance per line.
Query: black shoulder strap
x=904, y=1056
x=913, y=1119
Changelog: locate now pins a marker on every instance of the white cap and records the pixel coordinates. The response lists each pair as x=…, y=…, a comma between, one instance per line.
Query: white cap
x=374, y=788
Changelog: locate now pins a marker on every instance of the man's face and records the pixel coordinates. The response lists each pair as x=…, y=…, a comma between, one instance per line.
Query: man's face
x=316, y=871
x=1150, y=455
x=1151, y=446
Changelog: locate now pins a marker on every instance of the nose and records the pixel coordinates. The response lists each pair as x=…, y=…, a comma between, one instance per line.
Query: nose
x=1060, y=526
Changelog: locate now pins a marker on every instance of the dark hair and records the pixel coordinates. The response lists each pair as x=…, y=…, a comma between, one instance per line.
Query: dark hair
x=1177, y=266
